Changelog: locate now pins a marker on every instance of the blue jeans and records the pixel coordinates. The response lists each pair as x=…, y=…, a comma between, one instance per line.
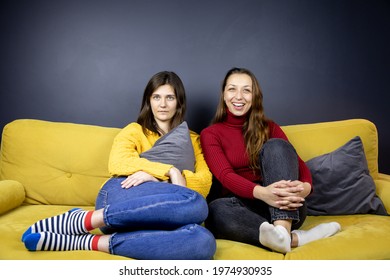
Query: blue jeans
x=155, y=220
x=239, y=219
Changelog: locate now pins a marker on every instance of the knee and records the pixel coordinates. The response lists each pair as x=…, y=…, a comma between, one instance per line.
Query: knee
x=277, y=148
x=195, y=206
x=202, y=208
x=277, y=145
x=204, y=242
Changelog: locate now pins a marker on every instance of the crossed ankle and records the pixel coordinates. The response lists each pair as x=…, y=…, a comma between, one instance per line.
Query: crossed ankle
x=276, y=238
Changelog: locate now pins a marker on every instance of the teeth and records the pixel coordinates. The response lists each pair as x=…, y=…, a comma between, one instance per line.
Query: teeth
x=238, y=104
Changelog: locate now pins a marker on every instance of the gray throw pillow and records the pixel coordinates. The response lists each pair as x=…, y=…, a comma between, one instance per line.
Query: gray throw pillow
x=174, y=148
x=342, y=184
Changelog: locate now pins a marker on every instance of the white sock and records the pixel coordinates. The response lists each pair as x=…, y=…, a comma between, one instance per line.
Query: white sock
x=317, y=232
x=276, y=238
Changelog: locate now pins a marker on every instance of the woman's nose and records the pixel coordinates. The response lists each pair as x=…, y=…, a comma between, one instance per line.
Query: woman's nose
x=163, y=102
x=238, y=94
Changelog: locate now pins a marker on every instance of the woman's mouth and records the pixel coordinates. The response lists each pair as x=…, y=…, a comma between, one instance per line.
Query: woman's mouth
x=238, y=106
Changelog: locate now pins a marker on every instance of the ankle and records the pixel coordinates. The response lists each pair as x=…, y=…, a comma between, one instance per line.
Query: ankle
x=294, y=240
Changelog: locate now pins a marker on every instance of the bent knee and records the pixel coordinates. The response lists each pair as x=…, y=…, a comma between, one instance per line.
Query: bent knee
x=204, y=242
x=197, y=206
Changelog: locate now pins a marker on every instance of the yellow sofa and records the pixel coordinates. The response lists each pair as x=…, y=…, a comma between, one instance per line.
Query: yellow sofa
x=47, y=168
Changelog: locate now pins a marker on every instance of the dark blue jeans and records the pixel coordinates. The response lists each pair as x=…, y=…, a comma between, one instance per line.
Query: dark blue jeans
x=239, y=219
x=155, y=220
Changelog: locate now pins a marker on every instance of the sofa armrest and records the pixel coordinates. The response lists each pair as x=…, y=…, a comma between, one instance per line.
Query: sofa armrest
x=12, y=195
x=383, y=189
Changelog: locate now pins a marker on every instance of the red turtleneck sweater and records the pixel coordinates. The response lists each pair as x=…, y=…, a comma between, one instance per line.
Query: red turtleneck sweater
x=224, y=150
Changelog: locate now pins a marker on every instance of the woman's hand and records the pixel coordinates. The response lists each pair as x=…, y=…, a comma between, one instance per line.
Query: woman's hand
x=136, y=179
x=285, y=195
x=298, y=188
x=176, y=177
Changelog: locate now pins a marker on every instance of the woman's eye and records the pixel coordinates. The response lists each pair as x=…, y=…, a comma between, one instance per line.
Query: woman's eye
x=171, y=97
x=156, y=97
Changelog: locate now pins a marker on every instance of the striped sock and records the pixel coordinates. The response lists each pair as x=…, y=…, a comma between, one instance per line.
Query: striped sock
x=75, y=221
x=49, y=241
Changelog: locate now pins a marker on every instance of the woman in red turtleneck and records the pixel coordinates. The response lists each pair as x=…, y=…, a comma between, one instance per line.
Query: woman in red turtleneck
x=258, y=195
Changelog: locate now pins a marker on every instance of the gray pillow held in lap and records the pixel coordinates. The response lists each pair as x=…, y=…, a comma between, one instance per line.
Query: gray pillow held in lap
x=174, y=148
x=342, y=184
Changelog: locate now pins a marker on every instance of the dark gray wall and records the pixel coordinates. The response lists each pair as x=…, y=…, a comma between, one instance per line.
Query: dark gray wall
x=89, y=61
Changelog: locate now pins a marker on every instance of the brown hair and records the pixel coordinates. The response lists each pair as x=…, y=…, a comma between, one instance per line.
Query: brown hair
x=146, y=118
x=255, y=129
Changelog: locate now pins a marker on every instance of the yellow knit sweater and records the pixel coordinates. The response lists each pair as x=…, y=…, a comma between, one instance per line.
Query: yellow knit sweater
x=131, y=142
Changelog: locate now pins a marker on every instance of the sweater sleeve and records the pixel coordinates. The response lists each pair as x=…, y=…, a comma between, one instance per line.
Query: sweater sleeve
x=124, y=157
x=221, y=168
x=199, y=180
x=304, y=171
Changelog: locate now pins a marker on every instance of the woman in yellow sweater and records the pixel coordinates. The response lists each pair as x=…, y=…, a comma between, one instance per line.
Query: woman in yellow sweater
x=153, y=205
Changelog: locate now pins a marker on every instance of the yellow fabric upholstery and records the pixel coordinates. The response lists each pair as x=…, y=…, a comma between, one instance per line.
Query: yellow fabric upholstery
x=320, y=138
x=57, y=163
x=383, y=189
x=11, y=195
x=47, y=168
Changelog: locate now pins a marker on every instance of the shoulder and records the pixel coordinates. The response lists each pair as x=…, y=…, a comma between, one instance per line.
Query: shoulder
x=131, y=129
x=211, y=134
x=212, y=129
x=133, y=126
x=275, y=130
x=272, y=124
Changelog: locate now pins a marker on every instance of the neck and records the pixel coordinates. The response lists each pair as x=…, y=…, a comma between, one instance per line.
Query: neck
x=162, y=127
x=235, y=120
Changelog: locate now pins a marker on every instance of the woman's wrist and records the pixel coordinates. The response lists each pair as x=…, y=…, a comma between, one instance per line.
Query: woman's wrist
x=306, y=189
x=258, y=192
x=171, y=171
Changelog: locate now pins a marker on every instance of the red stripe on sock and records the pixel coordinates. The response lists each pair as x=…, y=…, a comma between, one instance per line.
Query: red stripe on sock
x=95, y=242
x=88, y=221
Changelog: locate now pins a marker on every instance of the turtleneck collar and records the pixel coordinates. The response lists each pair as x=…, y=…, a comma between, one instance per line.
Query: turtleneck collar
x=235, y=120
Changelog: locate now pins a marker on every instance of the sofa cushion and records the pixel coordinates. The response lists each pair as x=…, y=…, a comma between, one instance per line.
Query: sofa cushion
x=15, y=222
x=342, y=184
x=174, y=148
x=362, y=237
x=57, y=163
x=312, y=140
x=11, y=195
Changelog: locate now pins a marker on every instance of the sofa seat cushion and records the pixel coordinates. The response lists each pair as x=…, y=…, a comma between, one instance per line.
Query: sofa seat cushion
x=231, y=250
x=362, y=237
x=15, y=222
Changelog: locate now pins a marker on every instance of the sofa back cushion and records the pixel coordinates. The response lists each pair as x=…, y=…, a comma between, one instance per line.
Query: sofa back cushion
x=57, y=163
x=312, y=140
x=66, y=163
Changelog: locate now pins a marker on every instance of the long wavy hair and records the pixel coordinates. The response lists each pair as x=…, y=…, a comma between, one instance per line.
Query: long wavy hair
x=146, y=118
x=255, y=129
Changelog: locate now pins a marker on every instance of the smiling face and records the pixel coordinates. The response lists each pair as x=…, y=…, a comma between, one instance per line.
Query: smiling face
x=163, y=102
x=238, y=94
